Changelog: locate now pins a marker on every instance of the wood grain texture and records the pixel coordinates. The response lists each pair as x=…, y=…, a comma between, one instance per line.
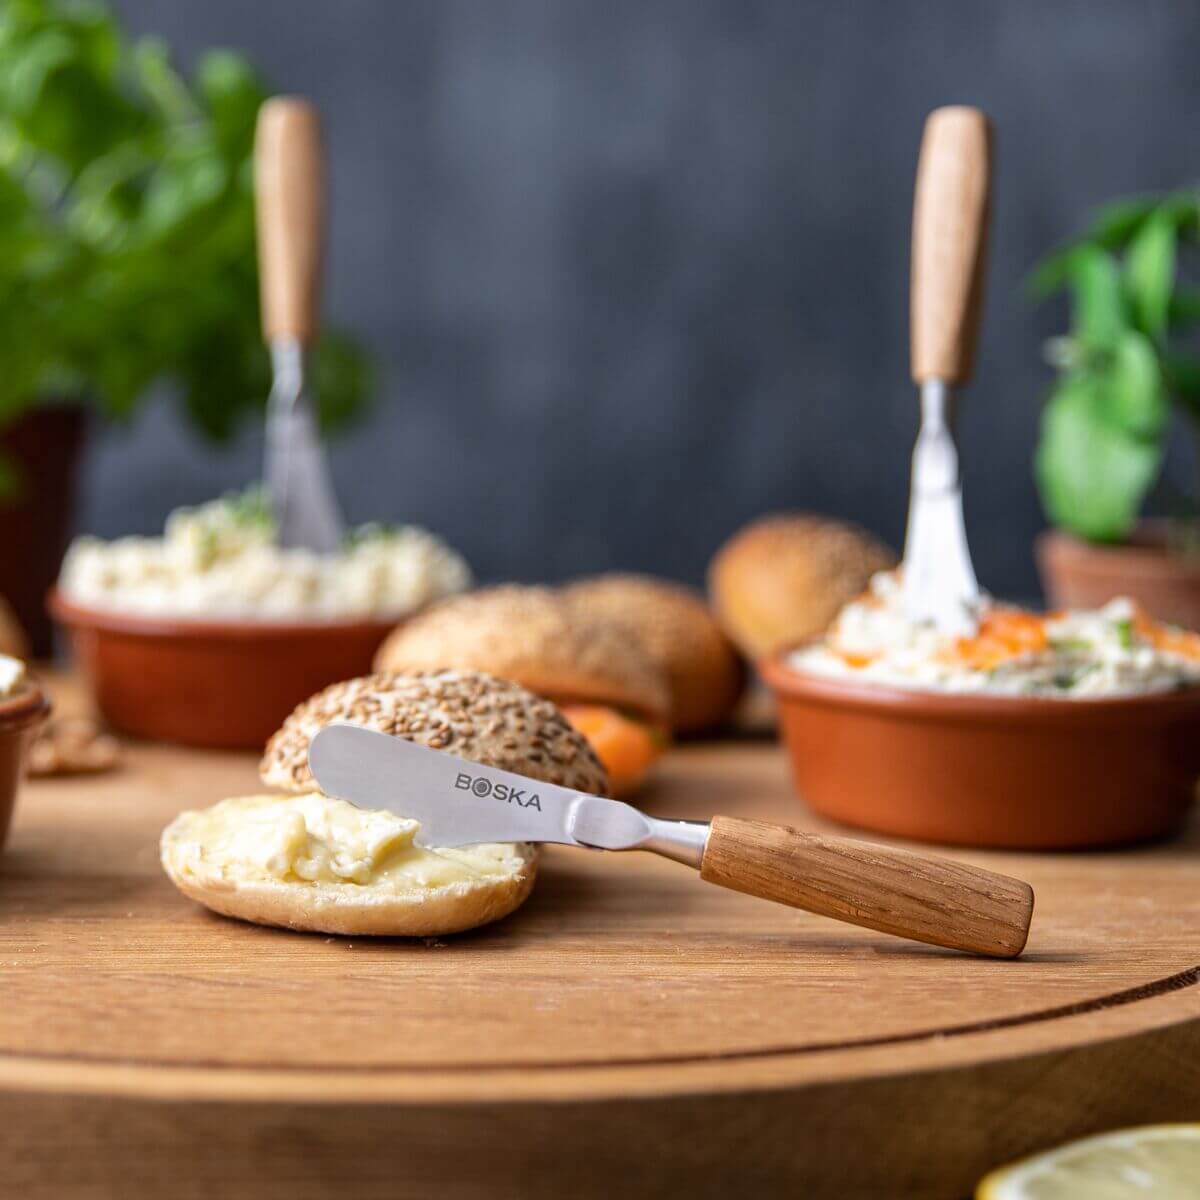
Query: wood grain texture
x=915, y=1135
x=289, y=180
x=933, y=900
x=629, y=1031
x=950, y=217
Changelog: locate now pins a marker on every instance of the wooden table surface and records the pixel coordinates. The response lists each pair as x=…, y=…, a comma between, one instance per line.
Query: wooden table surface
x=630, y=1026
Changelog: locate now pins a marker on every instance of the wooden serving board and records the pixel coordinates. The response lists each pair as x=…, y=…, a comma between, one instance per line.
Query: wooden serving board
x=630, y=1031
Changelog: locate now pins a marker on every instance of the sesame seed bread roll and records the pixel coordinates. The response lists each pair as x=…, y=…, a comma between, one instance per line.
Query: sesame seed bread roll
x=785, y=577
x=678, y=633
x=302, y=860
x=490, y=721
x=532, y=637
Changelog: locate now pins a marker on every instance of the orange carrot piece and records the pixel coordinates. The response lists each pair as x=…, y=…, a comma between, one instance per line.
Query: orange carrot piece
x=628, y=748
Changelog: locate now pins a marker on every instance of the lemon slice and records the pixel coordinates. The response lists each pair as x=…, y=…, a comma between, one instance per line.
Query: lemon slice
x=1151, y=1162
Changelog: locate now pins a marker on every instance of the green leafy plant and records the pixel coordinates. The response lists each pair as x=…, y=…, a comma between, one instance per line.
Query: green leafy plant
x=127, y=252
x=1124, y=368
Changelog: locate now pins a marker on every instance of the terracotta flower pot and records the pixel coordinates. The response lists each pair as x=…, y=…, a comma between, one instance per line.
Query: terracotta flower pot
x=1079, y=574
x=35, y=524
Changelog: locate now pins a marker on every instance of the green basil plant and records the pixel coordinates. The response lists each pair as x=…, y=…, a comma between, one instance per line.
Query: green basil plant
x=127, y=253
x=1124, y=368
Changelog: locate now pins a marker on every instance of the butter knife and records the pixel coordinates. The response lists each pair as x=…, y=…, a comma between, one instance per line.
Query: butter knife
x=459, y=802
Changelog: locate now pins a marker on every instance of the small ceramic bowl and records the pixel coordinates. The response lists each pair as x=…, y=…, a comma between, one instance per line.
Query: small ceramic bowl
x=20, y=715
x=996, y=771
x=219, y=684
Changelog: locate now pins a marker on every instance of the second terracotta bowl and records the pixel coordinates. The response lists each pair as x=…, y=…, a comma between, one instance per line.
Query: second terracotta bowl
x=20, y=715
x=995, y=771
x=218, y=684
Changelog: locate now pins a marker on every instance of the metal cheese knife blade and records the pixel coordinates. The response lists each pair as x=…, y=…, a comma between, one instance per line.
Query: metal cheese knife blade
x=295, y=471
x=458, y=802
x=950, y=212
x=939, y=581
x=290, y=200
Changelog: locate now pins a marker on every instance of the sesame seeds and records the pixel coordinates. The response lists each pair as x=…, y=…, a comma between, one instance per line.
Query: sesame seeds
x=476, y=716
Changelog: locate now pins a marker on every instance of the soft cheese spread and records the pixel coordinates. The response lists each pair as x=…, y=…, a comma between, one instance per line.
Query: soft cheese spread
x=1113, y=651
x=223, y=559
x=12, y=674
x=315, y=841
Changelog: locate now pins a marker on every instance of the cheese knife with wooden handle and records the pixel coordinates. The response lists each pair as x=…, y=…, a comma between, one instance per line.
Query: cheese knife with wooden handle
x=459, y=802
x=950, y=218
x=289, y=180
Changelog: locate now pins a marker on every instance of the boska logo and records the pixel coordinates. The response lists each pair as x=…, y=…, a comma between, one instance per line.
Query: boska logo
x=479, y=786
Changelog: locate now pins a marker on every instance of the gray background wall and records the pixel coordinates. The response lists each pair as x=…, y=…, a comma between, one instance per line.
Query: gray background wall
x=637, y=269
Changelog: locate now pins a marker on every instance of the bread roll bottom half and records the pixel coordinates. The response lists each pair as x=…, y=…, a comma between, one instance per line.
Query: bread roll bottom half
x=308, y=862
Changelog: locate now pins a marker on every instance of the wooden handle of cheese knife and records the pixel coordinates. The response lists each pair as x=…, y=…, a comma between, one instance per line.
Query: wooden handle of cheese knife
x=913, y=896
x=289, y=186
x=950, y=216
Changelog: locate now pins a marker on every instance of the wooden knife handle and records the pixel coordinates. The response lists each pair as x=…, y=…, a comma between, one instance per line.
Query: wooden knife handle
x=289, y=185
x=926, y=899
x=950, y=217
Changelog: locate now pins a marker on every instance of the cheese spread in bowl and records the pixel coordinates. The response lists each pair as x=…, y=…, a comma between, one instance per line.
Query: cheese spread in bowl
x=223, y=560
x=1113, y=651
x=12, y=674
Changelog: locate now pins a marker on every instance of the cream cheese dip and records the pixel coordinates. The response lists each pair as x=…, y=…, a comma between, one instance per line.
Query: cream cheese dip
x=1113, y=651
x=223, y=560
x=12, y=674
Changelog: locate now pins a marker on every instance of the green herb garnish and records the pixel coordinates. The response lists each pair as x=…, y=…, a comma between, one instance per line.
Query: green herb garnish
x=372, y=531
x=1071, y=645
x=250, y=507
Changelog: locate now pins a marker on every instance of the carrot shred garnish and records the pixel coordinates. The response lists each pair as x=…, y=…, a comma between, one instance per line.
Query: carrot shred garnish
x=1004, y=634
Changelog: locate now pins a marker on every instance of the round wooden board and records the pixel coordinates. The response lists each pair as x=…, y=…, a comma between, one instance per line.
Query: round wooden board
x=629, y=1025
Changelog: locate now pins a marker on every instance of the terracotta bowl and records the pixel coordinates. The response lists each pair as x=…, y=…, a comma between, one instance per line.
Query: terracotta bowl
x=20, y=714
x=995, y=771
x=218, y=684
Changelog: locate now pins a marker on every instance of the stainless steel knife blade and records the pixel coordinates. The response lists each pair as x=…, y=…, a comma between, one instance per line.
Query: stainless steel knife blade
x=459, y=802
x=939, y=580
x=295, y=468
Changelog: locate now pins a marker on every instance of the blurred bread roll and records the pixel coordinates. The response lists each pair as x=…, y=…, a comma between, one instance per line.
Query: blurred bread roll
x=531, y=636
x=784, y=577
x=596, y=670
x=676, y=630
